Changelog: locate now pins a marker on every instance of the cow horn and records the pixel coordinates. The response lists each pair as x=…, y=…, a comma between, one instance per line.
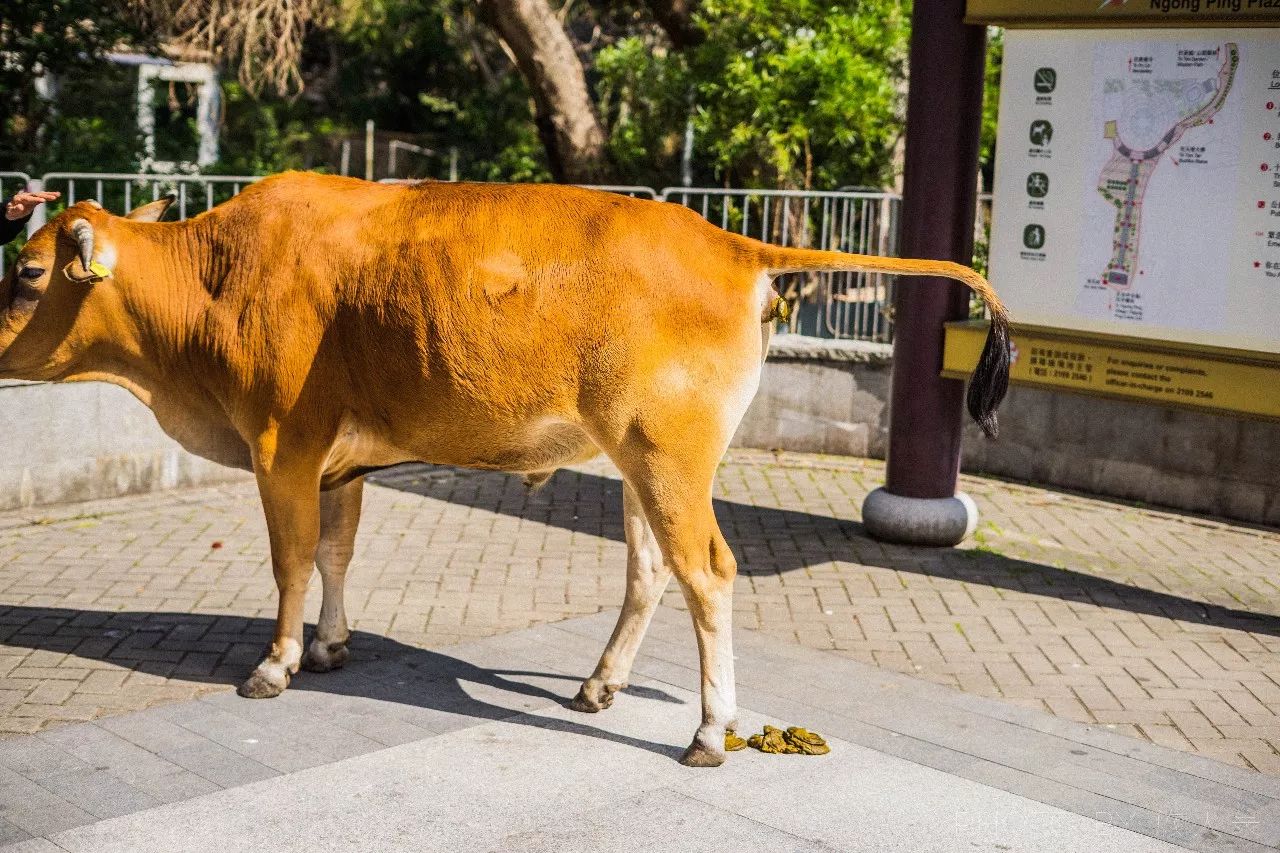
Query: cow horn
x=83, y=232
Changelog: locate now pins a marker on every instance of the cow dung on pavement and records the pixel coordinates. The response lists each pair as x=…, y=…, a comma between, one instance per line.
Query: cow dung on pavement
x=793, y=741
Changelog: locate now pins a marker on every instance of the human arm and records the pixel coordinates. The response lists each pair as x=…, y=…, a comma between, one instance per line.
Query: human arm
x=18, y=210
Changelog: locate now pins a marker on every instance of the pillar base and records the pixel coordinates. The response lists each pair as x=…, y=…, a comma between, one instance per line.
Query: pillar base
x=940, y=522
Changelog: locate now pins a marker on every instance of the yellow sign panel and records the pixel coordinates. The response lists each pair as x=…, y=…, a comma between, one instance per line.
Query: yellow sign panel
x=1231, y=381
x=1104, y=13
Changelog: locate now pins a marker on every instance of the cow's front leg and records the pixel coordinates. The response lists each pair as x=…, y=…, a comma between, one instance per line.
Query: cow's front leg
x=291, y=502
x=339, y=518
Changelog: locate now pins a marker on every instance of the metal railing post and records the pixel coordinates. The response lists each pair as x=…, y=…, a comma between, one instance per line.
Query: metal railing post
x=40, y=216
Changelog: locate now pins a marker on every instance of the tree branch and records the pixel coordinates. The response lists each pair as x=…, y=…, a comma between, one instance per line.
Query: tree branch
x=262, y=37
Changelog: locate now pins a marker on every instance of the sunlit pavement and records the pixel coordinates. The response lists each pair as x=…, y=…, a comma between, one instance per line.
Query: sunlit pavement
x=471, y=747
x=1152, y=625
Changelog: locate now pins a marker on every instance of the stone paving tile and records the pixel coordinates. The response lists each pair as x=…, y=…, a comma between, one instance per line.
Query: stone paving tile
x=1159, y=626
x=1195, y=802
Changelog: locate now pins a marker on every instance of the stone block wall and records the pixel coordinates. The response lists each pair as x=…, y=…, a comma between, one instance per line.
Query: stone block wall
x=84, y=441
x=832, y=397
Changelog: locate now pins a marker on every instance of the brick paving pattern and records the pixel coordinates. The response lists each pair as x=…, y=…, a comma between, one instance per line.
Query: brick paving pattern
x=1160, y=626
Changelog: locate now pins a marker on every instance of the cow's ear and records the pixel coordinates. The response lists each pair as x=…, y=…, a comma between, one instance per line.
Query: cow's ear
x=152, y=212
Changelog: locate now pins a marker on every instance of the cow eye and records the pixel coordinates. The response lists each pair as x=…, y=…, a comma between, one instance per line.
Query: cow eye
x=31, y=273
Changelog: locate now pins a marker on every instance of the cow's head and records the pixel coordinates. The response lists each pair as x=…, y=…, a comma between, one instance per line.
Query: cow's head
x=61, y=298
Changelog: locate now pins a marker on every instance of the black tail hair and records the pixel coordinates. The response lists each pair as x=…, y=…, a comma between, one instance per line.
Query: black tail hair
x=990, y=378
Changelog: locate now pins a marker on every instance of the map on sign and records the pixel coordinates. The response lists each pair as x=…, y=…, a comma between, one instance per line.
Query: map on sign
x=1137, y=184
x=1152, y=123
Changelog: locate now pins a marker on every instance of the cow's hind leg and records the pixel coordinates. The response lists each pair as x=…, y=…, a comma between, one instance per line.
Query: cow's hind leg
x=339, y=518
x=647, y=577
x=668, y=450
x=676, y=495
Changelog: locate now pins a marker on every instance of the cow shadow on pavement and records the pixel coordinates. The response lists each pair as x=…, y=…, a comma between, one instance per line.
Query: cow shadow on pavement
x=421, y=687
x=774, y=541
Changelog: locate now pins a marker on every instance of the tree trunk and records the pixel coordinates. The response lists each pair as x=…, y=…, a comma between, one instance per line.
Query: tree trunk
x=565, y=114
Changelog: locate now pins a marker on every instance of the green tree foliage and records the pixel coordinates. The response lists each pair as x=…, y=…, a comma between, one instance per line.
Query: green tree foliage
x=987, y=152
x=991, y=103
x=782, y=93
x=264, y=135
x=68, y=37
x=427, y=70
x=433, y=69
x=790, y=93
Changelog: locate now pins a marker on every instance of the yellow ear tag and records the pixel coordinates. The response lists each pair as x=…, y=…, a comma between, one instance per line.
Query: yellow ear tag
x=779, y=310
x=97, y=271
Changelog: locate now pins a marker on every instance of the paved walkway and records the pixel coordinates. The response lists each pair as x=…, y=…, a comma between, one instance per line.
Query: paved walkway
x=1157, y=626
x=472, y=748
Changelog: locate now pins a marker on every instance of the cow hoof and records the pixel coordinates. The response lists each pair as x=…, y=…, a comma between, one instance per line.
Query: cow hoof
x=262, y=685
x=325, y=657
x=594, y=696
x=700, y=755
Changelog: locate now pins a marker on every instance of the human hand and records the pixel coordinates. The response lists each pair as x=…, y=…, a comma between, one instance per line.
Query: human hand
x=23, y=202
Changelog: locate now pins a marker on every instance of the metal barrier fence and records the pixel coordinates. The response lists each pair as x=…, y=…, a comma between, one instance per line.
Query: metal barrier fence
x=122, y=192
x=831, y=305
x=623, y=189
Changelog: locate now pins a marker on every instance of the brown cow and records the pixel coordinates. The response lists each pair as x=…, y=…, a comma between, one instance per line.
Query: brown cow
x=314, y=329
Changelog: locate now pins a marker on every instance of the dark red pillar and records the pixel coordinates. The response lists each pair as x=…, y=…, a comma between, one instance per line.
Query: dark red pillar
x=944, y=122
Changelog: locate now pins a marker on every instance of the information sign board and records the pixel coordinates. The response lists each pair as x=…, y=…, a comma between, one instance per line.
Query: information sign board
x=1137, y=188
